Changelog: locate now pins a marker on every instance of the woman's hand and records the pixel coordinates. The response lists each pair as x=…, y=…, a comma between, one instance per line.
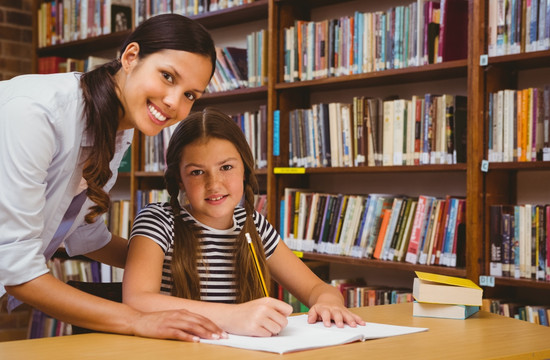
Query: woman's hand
x=261, y=317
x=328, y=312
x=176, y=324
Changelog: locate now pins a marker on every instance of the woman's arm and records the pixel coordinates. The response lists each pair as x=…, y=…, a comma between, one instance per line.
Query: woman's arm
x=325, y=301
x=114, y=253
x=141, y=290
x=76, y=307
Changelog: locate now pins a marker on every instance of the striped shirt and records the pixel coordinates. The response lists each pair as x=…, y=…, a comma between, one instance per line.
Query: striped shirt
x=217, y=266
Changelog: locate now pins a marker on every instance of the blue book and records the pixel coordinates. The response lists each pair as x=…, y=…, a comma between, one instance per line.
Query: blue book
x=444, y=311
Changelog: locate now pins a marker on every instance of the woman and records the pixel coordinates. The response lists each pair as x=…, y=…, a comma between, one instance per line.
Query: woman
x=62, y=137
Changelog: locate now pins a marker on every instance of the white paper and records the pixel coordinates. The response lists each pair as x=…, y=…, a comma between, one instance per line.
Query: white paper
x=300, y=335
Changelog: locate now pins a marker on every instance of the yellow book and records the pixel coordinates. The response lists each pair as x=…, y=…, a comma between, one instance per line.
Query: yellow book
x=443, y=289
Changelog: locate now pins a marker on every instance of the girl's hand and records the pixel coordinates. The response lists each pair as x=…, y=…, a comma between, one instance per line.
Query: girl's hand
x=327, y=312
x=176, y=324
x=261, y=317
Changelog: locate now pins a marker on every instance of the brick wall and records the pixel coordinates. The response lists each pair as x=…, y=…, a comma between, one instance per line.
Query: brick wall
x=16, y=47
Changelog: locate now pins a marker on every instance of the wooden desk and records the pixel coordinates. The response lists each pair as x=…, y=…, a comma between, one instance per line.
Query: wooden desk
x=483, y=336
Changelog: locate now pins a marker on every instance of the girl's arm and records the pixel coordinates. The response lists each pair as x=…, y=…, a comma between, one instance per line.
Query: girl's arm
x=141, y=290
x=325, y=301
x=68, y=304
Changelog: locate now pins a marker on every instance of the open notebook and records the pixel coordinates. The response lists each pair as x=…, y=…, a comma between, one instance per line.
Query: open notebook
x=299, y=335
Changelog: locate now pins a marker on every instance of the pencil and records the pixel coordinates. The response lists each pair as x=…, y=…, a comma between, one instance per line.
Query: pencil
x=256, y=263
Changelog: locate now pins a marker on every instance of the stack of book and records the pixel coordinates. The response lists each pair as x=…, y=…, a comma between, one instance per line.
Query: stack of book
x=442, y=296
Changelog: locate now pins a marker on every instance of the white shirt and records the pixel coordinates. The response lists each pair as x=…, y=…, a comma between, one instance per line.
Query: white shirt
x=43, y=144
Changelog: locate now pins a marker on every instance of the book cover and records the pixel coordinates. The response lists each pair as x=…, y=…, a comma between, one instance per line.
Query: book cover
x=321, y=216
x=404, y=243
x=397, y=213
x=453, y=32
x=346, y=220
x=443, y=289
x=386, y=214
x=437, y=244
x=399, y=229
x=420, y=219
x=426, y=232
x=459, y=129
x=444, y=311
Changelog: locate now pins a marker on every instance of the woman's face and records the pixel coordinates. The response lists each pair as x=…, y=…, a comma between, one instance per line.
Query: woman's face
x=159, y=90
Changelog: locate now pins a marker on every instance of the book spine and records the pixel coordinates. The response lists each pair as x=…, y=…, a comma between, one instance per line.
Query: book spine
x=411, y=255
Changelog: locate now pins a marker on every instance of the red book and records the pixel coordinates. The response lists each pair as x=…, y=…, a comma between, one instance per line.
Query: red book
x=453, y=31
x=438, y=245
x=419, y=218
x=438, y=230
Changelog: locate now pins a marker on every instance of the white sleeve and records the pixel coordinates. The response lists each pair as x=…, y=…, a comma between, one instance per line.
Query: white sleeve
x=27, y=146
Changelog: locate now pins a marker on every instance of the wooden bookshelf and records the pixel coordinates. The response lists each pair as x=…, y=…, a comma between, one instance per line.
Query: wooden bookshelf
x=431, y=72
x=85, y=47
x=243, y=94
x=235, y=15
x=482, y=189
x=499, y=185
x=387, y=169
x=382, y=264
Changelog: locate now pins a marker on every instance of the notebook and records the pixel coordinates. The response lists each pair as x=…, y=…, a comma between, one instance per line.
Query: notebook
x=300, y=335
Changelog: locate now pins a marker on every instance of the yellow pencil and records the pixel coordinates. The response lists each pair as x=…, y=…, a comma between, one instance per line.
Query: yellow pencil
x=256, y=263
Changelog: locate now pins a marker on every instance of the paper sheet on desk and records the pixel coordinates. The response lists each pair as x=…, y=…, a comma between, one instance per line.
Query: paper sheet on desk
x=299, y=335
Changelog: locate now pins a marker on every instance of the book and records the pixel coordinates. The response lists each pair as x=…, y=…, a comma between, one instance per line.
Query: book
x=420, y=218
x=446, y=311
x=443, y=289
x=453, y=32
x=300, y=335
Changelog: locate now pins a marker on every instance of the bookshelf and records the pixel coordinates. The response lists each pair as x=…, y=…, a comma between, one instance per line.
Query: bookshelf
x=286, y=96
x=481, y=189
x=501, y=184
x=511, y=182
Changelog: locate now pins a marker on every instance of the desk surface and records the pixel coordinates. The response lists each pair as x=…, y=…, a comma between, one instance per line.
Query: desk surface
x=483, y=336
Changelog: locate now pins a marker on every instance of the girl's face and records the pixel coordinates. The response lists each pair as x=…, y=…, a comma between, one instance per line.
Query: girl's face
x=159, y=90
x=212, y=173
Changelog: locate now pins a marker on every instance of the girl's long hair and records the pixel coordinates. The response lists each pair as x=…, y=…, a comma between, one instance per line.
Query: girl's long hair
x=102, y=108
x=199, y=126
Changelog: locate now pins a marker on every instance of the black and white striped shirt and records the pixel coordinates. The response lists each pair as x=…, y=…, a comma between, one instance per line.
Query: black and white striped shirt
x=216, y=270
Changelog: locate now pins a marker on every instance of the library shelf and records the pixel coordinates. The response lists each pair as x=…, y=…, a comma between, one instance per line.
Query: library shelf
x=381, y=169
x=411, y=74
x=242, y=94
x=234, y=15
x=523, y=61
x=146, y=174
x=85, y=46
x=513, y=166
x=348, y=260
x=522, y=283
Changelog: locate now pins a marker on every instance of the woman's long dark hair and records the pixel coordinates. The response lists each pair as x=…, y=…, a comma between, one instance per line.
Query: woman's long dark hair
x=102, y=108
x=211, y=124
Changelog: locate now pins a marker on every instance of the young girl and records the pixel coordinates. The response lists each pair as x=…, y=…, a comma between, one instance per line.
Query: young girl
x=195, y=256
x=62, y=137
